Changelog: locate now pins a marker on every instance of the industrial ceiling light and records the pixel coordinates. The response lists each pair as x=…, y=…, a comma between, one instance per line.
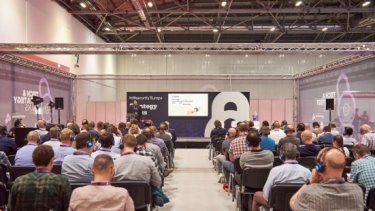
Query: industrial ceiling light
x=106, y=29
x=298, y=3
x=215, y=30
x=272, y=29
x=83, y=5
x=158, y=29
x=150, y=4
x=324, y=29
x=366, y=3
x=224, y=3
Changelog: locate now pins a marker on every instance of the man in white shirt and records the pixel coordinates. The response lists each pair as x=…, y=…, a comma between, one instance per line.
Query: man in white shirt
x=107, y=141
x=277, y=133
x=368, y=137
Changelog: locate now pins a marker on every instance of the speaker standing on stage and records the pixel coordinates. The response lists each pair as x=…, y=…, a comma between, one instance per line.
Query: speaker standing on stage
x=137, y=110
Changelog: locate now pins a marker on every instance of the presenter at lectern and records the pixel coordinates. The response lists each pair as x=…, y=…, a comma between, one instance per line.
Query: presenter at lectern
x=137, y=110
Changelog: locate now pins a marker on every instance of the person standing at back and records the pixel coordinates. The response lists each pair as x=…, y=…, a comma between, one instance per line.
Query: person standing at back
x=41, y=189
x=100, y=194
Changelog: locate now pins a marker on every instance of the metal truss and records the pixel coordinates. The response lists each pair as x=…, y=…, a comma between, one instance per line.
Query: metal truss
x=333, y=65
x=187, y=48
x=35, y=65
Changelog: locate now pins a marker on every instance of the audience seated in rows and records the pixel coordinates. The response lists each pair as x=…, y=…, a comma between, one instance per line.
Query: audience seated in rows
x=155, y=149
x=326, y=137
x=100, y=195
x=289, y=172
x=256, y=157
x=289, y=138
x=363, y=168
x=172, y=132
x=40, y=190
x=338, y=142
x=300, y=128
x=308, y=148
x=24, y=154
x=65, y=148
x=334, y=130
x=107, y=141
x=7, y=144
x=161, y=137
x=267, y=143
x=277, y=133
x=131, y=166
x=232, y=134
x=326, y=189
x=77, y=166
x=368, y=137
x=218, y=131
x=111, y=129
x=141, y=149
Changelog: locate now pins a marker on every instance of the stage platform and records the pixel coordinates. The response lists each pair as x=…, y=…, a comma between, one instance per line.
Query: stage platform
x=192, y=142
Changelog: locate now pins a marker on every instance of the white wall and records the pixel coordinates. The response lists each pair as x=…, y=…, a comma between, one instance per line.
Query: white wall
x=43, y=21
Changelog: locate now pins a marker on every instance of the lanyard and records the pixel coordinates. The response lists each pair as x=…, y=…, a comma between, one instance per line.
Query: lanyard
x=128, y=153
x=291, y=162
x=64, y=145
x=80, y=153
x=103, y=183
x=334, y=181
x=42, y=171
x=105, y=149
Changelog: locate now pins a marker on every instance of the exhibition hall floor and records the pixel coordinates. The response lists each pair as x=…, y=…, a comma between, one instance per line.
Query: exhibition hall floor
x=193, y=184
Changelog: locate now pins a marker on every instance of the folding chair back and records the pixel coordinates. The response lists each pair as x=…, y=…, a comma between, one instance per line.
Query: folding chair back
x=254, y=178
x=280, y=195
x=370, y=204
x=308, y=162
x=11, y=159
x=140, y=192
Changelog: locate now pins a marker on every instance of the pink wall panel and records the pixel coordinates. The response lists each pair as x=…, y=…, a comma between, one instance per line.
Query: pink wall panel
x=110, y=112
x=90, y=111
x=123, y=111
x=100, y=112
x=289, y=110
x=264, y=110
x=278, y=110
x=253, y=107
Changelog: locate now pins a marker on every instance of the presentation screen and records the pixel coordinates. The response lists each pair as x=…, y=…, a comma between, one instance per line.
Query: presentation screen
x=187, y=104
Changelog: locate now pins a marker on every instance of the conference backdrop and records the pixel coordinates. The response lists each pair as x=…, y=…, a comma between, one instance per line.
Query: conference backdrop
x=19, y=84
x=353, y=90
x=192, y=114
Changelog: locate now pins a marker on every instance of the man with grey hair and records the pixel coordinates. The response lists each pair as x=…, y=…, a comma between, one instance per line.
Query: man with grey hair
x=368, y=137
x=100, y=194
x=289, y=172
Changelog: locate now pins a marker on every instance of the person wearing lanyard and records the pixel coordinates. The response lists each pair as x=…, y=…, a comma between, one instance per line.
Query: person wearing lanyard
x=24, y=155
x=289, y=172
x=107, y=140
x=363, y=168
x=33, y=191
x=77, y=166
x=65, y=148
x=100, y=194
x=326, y=189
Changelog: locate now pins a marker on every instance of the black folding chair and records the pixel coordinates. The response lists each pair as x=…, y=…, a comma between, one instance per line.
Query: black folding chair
x=370, y=203
x=17, y=171
x=349, y=161
x=11, y=159
x=280, y=195
x=277, y=161
x=252, y=180
x=308, y=162
x=140, y=192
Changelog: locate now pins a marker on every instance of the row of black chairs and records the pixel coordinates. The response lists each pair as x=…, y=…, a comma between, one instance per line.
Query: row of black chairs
x=139, y=191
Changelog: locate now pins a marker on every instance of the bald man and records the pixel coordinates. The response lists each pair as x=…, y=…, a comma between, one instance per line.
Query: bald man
x=24, y=156
x=308, y=148
x=326, y=189
x=368, y=137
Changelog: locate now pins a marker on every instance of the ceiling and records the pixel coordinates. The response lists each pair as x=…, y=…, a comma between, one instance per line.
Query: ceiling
x=208, y=21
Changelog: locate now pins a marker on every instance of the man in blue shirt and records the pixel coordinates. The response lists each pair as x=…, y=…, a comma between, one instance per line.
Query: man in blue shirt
x=289, y=172
x=218, y=131
x=308, y=148
x=327, y=137
x=77, y=167
x=7, y=145
x=267, y=143
x=65, y=148
x=24, y=156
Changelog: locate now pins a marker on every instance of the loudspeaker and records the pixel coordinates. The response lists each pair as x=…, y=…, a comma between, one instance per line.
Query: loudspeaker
x=330, y=104
x=59, y=103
